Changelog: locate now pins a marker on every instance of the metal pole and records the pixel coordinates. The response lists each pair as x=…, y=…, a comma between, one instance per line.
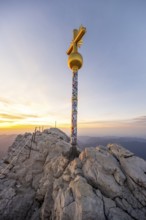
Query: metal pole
x=74, y=108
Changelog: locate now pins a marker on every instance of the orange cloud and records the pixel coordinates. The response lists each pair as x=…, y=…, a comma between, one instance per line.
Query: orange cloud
x=18, y=116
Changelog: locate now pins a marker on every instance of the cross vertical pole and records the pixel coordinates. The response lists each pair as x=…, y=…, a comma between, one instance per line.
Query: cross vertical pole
x=74, y=108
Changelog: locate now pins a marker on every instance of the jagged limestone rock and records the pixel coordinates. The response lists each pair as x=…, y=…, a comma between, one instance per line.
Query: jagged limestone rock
x=38, y=181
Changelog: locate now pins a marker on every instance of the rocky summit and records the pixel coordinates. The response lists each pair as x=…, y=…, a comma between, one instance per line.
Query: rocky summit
x=37, y=181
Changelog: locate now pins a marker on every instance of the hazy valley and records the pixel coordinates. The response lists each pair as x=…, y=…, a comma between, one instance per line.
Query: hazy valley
x=136, y=145
x=5, y=142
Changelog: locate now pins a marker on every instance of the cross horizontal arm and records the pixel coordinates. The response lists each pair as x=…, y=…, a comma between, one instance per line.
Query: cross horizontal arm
x=81, y=32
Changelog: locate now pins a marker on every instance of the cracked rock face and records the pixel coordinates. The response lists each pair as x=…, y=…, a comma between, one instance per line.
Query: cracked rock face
x=38, y=182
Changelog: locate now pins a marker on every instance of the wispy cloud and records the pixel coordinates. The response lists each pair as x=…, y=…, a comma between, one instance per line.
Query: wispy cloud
x=141, y=120
x=5, y=100
x=17, y=117
x=5, y=121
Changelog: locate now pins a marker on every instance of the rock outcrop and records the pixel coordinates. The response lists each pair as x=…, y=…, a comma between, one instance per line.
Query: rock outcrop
x=38, y=182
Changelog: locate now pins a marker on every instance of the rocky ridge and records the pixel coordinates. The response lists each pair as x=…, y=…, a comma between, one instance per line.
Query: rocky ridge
x=38, y=182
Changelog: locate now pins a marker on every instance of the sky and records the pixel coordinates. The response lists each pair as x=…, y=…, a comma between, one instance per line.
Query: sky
x=36, y=83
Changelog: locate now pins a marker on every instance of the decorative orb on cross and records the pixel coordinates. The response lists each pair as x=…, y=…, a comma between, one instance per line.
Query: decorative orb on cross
x=75, y=62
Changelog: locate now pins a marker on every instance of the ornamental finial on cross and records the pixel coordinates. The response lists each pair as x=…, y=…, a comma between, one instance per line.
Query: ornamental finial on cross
x=75, y=59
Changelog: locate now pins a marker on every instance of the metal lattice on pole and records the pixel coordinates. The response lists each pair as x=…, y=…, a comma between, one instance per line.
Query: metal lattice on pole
x=74, y=108
x=75, y=62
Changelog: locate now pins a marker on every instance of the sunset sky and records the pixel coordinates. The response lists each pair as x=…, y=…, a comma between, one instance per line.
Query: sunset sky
x=35, y=82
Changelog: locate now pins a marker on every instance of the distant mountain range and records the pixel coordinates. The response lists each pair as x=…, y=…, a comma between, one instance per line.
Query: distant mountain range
x=136, y=145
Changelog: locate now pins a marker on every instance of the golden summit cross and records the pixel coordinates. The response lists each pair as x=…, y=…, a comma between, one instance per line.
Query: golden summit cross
x=75, y=62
